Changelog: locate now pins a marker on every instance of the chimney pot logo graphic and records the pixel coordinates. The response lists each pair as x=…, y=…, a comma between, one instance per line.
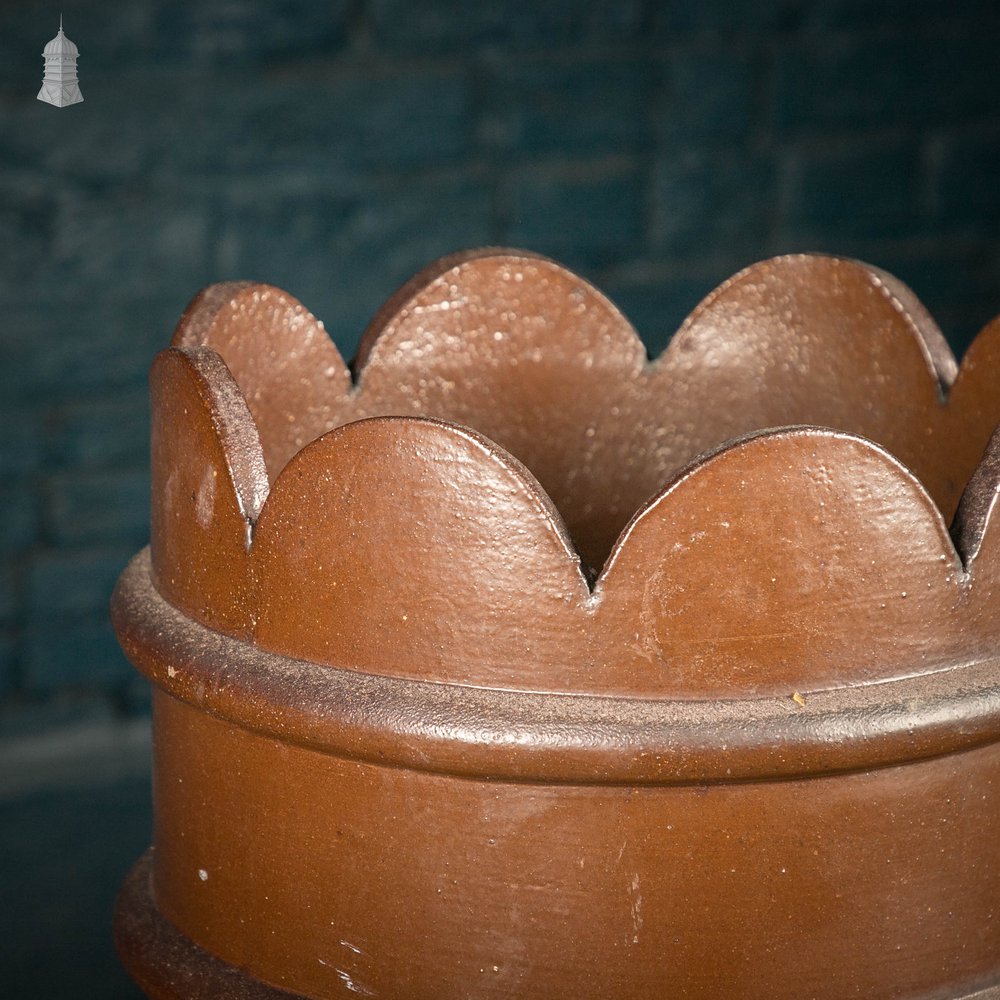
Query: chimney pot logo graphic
x=59, y=86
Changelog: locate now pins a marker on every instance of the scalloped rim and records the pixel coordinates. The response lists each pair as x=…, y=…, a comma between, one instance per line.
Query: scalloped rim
x=942, y=366
x=252, y=491
x=939, y=362
x=568, y=738
x=230, y=416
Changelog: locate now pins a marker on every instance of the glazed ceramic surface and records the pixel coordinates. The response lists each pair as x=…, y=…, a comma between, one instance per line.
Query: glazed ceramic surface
x=509, y=663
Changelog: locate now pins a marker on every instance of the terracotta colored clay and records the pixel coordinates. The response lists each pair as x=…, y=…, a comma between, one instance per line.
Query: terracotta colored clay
x=720, y=718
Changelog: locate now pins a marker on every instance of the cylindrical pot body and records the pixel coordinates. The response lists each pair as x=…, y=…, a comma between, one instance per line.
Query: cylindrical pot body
x=325, y=833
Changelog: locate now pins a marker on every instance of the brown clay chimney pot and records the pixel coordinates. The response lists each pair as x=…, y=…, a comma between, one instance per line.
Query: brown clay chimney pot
x=512, y=664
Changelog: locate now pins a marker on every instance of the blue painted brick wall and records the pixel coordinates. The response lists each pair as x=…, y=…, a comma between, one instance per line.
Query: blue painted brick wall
x=333, y=148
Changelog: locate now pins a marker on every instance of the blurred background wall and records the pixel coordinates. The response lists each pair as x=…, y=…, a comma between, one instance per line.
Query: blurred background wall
x=333, y=149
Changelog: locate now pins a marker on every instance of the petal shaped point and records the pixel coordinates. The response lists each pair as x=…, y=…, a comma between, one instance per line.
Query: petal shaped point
x=414, y=548
x=790, y=560
x=208, y=484
x=291, y=373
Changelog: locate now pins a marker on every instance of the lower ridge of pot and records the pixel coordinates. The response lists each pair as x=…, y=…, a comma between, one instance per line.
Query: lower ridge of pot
x=167, y=965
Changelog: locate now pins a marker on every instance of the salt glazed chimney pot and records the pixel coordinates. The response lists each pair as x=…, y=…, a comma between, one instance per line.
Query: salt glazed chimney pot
x=508, y=663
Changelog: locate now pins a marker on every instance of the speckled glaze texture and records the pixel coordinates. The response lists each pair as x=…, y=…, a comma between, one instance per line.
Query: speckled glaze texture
x=510, y=663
